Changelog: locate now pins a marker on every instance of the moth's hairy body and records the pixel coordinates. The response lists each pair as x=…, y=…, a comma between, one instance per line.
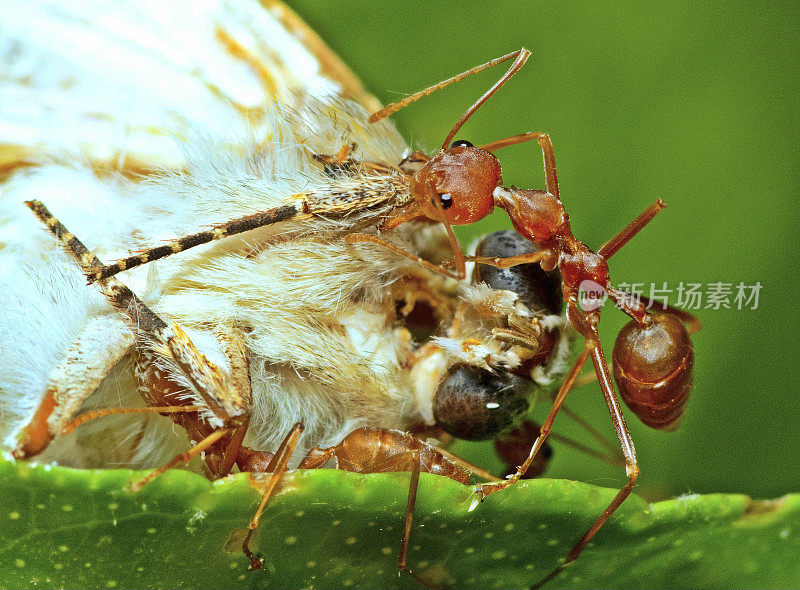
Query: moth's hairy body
x=318, y=315
x=312, y=308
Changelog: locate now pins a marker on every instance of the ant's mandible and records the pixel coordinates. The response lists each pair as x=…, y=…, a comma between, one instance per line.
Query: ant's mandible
x=653, y=356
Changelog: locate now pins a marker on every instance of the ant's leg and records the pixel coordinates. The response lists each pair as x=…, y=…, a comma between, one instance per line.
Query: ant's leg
x=575, y=417
x=413, y=485
x=277, y=466
x=631, y=464
x=610, y=458
x=613, y=245
x=466, y=465
x=488, y=488
x=586, y=379
x=371, y=239
x=510, y=261
x=520, y=57
x=181, y=458
x=613, y=455
x=458, y=254
x=551, y=180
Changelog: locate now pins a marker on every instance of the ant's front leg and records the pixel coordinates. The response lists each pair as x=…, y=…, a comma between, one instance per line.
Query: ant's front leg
x=359, y=238
x=542, y=256
x=551, y=180
x=487, y=488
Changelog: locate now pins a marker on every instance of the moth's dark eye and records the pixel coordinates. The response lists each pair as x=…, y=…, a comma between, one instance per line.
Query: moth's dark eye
x=460, y=143
x=536, y=288
x=446, y=200
x=476, y=404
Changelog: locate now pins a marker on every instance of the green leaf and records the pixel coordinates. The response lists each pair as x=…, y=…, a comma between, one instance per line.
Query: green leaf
x=331, y=529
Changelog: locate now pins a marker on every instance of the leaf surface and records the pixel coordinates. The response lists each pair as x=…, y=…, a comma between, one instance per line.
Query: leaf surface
x=332, y=529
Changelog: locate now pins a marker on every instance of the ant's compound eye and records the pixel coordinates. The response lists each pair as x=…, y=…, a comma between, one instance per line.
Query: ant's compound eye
x=538, y=289
x=446, y=199
x=477, y=404
x=653, y=368
x=460, y=143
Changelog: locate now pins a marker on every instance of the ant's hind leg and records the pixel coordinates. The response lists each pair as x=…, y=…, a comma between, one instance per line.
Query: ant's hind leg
x=589, y=332
x=487, y=488
x=613, y=245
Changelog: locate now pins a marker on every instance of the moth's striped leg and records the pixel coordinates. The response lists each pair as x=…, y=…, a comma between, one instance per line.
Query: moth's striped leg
x=84, y=365
x=167, y=346
x=217, y=232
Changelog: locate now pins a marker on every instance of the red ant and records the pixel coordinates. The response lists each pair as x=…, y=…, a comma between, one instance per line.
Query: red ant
x=368, y=450
x=653, y=355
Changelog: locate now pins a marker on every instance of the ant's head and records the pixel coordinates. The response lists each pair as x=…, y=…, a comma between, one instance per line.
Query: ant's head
x=457, y=184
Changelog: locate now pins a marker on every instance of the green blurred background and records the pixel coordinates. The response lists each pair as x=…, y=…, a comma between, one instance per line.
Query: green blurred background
x=693, y=104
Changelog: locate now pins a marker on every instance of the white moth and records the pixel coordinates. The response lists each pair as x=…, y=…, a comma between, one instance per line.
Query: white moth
x=134, y=131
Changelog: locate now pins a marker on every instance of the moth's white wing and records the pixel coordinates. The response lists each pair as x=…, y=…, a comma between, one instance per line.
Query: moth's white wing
x=109, y=82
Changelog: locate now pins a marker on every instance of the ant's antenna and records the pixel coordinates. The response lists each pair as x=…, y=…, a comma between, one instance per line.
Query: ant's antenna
x=521, y=56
